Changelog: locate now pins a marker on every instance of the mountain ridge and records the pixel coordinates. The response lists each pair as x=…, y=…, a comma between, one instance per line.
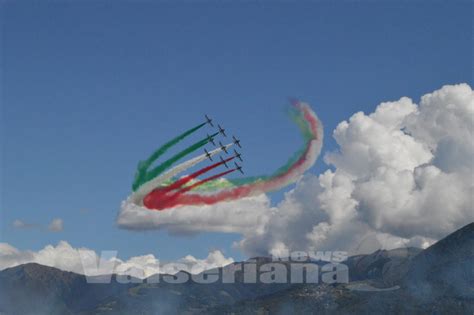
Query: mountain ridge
x=417, y=281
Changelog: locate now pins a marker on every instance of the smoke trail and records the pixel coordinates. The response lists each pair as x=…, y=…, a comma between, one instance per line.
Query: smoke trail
x=144, y=165
x=195, y=185
x=300, y=120
x=137, y=196
x=162, y=198
x=288, y=173
x=163, y=166
x=183, y=181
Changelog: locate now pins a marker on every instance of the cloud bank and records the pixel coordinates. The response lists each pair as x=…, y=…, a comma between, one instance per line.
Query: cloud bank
x=87, y=262
x=402, y=176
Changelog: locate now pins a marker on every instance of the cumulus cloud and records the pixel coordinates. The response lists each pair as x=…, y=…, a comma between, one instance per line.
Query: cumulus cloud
x=402, y=176
x=56, y=225
x=86, y=261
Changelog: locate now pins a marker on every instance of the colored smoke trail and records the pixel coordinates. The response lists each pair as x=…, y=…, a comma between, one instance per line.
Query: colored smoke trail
x=195, y=185
x=140, y=193
x=183, y=181
x=144, y=165
x=163, y=166
x=308, y=135
x=311, y=130
x=162, y=198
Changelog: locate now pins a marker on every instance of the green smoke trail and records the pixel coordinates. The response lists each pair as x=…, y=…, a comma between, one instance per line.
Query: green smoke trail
x=163, y=166
x=144, y=165
x=221, y=183
x=300, y=121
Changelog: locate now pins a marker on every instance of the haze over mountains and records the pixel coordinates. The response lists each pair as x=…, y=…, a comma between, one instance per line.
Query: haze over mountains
x=439, y=279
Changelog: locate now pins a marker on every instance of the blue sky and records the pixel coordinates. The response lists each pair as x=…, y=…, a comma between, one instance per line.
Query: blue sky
x=88, y=89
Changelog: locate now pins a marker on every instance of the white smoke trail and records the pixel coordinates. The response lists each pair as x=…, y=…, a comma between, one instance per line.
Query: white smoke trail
x=146, y=188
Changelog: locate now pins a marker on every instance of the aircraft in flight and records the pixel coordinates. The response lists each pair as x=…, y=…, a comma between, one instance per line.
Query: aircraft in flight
x=223, y=161
x=210, y=139
x=208, y=154
x=221, y=130
x=238, y=167
x=223, y=147
x=236, y=141
x=238, y=155
x=209, y=121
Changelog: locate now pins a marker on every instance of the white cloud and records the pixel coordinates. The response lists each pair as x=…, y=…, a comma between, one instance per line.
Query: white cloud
x=86, y=261
x=56, y=225
x=403, y=176
x=247, y=214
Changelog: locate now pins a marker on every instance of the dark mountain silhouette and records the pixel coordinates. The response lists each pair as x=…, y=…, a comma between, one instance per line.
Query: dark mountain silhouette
x=437, y=280
x=446, y=268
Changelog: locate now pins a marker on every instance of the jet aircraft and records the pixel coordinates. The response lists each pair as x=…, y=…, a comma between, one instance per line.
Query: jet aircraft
x=221, y=130
x=209, y=121
x=223, y=147
x=238, y=167
x=223, y=161
x=238, y=155
x=210, y=139
x=236, y=141
x=208, y=154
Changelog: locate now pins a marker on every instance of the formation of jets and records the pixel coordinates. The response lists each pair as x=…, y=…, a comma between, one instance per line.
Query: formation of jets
x=236, y=141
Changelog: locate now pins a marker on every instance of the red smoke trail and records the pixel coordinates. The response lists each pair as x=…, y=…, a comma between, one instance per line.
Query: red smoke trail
x=305, y=161
x=161, y=198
